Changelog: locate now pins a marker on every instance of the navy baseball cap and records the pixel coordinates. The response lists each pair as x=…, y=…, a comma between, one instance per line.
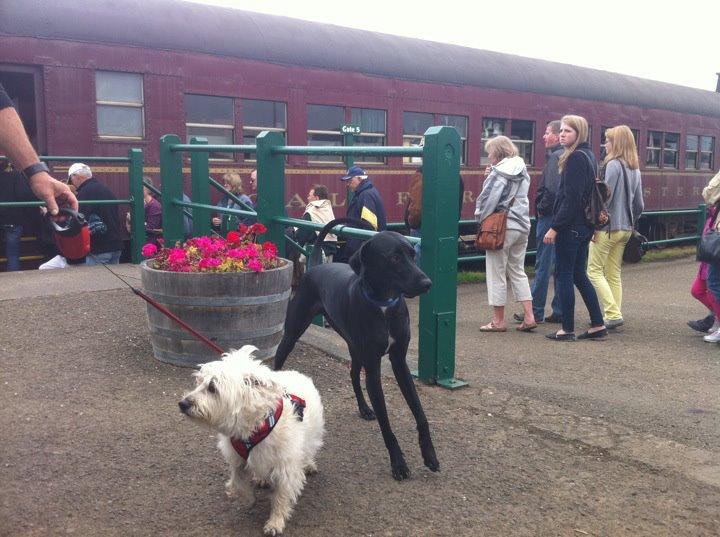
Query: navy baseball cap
x=354, y=171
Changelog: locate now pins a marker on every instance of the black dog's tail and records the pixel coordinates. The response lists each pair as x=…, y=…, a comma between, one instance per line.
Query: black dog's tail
x=317, y=247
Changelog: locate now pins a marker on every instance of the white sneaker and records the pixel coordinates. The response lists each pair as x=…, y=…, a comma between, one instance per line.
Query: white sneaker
x=713, y=338
x=713, y=328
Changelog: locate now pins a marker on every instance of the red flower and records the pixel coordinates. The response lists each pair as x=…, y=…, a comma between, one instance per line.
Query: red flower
x=258, y=229
x=233, y=237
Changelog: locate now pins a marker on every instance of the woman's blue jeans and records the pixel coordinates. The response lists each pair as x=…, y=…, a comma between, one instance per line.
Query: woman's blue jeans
x=13, y=235
x=571, y=254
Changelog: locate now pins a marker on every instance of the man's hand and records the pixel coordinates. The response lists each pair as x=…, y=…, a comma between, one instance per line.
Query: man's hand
x=54, y=193
x=550, y=236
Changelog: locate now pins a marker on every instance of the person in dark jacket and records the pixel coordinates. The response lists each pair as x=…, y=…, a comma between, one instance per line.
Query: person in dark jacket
x=544, y=201
x=366, y=204
x=103, y=220
x=571, y=232
x=14, y=219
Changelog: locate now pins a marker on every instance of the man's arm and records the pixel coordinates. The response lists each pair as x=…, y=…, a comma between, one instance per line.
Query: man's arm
x=15, y=145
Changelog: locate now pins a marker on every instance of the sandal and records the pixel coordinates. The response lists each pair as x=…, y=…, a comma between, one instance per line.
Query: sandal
x=491, y=327
x=526, y=327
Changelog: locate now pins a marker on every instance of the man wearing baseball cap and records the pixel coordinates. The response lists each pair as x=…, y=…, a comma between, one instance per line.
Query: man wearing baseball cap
x=103, y=220
x=366, y=204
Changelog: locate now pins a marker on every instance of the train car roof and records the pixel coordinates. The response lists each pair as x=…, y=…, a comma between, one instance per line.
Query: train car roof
x=186, y=26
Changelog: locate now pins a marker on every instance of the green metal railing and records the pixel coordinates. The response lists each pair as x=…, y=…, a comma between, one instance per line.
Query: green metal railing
x=134, y=160
x=441, y=167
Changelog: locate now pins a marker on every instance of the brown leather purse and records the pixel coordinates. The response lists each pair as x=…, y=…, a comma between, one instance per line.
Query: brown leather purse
x=491, y=232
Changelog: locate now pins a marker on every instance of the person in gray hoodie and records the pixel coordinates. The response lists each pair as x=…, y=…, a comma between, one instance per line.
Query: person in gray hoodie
x=622, y=175
x=506, y=186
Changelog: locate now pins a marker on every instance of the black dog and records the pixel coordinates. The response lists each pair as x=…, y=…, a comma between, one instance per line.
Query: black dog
x=363, y=302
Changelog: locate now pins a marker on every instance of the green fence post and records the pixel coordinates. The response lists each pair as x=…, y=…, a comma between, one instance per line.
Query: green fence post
x=702, y=216
x=171, y=176
x=271, y=187
x=440, y=216
x=200, y=185
x=137, y=208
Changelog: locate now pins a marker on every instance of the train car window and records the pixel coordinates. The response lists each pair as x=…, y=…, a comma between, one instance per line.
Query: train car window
x=654, y=147
x=258, y=116
x=119, y=103
x=373, y=128
x=461, y=125
x=707, y=150
x=522, y=133
x=213, y=118
x=699, y=152
x=671, y=151
x=324, y=128
x=414, y=126
x=492, y=127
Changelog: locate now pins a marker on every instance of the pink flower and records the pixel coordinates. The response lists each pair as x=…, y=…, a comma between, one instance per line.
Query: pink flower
x=149, y=250
x=209, y=263
x=255, y=264
x=235, y=253
x=177, y=255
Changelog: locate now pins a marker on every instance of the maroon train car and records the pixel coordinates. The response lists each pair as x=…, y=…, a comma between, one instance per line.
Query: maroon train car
x=97, y=78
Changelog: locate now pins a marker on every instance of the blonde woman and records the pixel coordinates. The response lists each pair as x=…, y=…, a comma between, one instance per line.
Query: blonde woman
x=227, y=222
x=506, y=186
x=570, y=231
x=622, y=175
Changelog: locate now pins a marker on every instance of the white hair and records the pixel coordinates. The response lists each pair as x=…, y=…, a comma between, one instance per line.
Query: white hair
x=83, y=170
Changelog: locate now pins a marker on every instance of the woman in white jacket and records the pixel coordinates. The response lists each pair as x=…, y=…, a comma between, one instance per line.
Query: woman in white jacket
x=506, y=186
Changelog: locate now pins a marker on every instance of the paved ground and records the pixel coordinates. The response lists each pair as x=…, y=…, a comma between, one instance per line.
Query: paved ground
x=617, y=437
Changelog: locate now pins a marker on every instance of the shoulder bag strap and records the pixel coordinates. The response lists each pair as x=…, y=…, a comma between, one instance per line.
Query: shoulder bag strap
x=627, y=193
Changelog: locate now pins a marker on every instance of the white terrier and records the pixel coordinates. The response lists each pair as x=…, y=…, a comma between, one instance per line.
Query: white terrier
x=270, y=426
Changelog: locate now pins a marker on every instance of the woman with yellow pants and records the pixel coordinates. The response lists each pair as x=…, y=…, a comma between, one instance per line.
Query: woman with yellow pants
x=622, y=175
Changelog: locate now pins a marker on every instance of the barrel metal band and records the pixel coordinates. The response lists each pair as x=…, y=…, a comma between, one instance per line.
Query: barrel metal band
x=219, y=337
x=189, y=361
x=218, y=301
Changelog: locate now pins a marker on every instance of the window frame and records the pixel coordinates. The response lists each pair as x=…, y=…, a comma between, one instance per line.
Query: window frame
x=250, y=157
x=417, y=139
x=698, y=152
x=217, y=157
x=507, y=131
x=383, y=135
x=121, y=104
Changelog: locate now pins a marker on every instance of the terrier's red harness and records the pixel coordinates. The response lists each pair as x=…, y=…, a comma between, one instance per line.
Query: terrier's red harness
x=243, y=447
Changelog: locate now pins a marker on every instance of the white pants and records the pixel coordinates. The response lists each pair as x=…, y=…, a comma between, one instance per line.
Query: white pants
x=508, y=263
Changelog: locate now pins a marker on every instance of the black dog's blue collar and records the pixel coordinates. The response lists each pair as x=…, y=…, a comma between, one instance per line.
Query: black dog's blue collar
x=379, y=303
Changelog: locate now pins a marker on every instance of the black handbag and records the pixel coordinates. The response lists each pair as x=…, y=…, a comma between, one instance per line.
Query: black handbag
x=635, y=248
x=636, y=245
x=709, y=247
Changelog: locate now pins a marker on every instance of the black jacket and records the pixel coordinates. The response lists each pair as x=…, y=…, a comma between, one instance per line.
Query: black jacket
x=549, y=183
x=576, y=181
x=111, y=239
x=367, y=205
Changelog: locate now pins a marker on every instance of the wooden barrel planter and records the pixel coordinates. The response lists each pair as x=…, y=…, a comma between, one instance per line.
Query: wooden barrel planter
x=231, y=309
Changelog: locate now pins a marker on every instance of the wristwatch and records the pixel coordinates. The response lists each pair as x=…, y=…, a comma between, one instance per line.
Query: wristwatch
x=35, y=168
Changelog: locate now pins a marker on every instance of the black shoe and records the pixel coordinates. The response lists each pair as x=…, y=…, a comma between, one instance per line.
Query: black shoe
x=520, y=317
x=702, y=325
x=594, y=335
x=561, y=337
x=552, y=318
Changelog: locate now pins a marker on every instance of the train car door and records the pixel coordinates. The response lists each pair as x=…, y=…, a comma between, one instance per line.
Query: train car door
x=24, y=85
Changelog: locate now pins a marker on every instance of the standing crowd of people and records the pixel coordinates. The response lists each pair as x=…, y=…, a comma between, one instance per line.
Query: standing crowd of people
x=569, y=246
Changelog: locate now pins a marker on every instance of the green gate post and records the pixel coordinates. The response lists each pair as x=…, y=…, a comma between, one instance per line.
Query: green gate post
x=172, y=185
x=270, y=200
x=702, y=216
x=440, y=215
x=200, y=188
x=348, y=141
x=137, y=208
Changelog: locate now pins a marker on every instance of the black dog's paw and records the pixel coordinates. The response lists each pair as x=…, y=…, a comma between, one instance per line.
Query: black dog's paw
x=432, y=463
x=367, y=414
x=400, y=470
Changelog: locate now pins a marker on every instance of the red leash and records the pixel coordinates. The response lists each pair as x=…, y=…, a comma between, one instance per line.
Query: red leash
x=168, y=313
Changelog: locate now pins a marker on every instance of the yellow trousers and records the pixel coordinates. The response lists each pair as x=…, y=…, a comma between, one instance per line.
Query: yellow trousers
x=604, y=264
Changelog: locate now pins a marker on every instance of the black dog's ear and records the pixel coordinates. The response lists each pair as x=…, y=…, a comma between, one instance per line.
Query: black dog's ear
x=355, y=261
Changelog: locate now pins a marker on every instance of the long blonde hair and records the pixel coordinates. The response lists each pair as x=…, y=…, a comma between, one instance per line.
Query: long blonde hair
x=580, y=125
x=622, y=146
